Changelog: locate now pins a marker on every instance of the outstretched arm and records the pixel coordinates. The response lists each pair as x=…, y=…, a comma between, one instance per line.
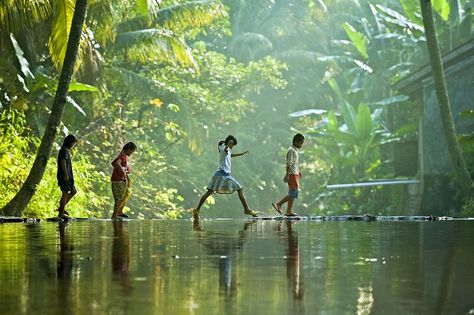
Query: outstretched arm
x=239, y=154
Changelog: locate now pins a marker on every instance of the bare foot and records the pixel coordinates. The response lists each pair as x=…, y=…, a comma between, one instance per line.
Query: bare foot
x=277, y=207
x=251, y=212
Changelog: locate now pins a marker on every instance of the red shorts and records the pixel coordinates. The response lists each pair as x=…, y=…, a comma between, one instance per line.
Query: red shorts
x=293, y=185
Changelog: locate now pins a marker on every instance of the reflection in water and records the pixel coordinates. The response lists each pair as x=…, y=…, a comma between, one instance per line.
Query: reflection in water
x=236, y=267
x=64, y=266
x=293, y=260
x=121, y=249
x=293, y=263
x=224, y=245
x=447, y=270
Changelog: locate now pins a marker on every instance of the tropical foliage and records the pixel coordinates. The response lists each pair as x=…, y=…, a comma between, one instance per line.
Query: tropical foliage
x=177, y=76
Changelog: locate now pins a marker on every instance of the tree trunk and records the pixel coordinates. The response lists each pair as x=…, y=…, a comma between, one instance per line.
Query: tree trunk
x=462, y=173
x=20, y=201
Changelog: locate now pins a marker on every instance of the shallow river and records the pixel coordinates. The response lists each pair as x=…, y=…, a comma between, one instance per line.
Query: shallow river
x=237, y=267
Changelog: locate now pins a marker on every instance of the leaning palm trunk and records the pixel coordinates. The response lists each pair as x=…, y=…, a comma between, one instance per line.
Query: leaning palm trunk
x=462, y=173
x=23, y=197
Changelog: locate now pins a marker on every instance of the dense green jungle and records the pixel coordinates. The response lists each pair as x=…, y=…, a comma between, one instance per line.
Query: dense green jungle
x=175, y=77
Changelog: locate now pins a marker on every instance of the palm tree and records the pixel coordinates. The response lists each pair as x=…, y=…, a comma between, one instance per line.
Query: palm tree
x=22, y=198
x=462, y=173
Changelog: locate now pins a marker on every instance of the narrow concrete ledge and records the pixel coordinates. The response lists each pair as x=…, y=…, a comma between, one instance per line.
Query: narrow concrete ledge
x=18, y=220
x=366, y=217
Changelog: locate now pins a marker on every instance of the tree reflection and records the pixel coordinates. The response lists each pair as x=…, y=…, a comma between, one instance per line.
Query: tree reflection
x=224, y=246
x=121, y=248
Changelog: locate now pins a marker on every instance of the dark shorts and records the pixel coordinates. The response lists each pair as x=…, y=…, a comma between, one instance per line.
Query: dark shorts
x=293, y=185
x=68, y=187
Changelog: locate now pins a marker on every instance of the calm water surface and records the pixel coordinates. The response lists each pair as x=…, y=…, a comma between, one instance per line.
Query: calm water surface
x=237, y=267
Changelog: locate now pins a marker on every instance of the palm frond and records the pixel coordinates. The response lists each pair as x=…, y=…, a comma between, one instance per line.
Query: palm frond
x=62, y=18
x=133, y=24
x=141, y=84
x=283, y=18
x=250, y=46
x=146, y=7
x=155, y=45
x=103, y=16
x=306, y=56
x=19, y=14
x=191, y=14
x=24, y=64
x=59, y=35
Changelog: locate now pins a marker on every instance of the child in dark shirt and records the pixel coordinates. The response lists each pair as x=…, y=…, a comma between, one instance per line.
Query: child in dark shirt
x=65, y=175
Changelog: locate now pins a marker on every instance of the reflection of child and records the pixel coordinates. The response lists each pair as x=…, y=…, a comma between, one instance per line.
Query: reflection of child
x=292, y=176
x=65, y=175
x=120, y=181
x=222, y=182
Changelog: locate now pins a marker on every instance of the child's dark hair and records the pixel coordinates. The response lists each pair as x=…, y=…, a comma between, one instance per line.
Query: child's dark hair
x=69, y=140
x=230, y=137
x=298, y=138
x=129, y=146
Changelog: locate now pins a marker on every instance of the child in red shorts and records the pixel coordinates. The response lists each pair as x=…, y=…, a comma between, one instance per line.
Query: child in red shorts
x=292, y=176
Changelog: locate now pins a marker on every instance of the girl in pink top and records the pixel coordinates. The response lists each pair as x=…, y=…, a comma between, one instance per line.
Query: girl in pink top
x=121, y=183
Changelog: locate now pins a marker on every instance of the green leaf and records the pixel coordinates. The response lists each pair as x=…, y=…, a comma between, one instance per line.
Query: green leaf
x=61, y=24
x=363, y=123
x=391, y=100
x=332, y=122
x=25, y=66
x=363, y=66
x=442, y=7
x=394, y=17
x=156, y=45
x=146, y=7
x=467, y=114
x=406, y=130
x=18, y=15
x=410, y=7
x=358, y=39
x=191, y=14
x=71, y=101
x=76, y=86
x=349, y=115
x=335, y=87
x=456, y=11
x=306, y=112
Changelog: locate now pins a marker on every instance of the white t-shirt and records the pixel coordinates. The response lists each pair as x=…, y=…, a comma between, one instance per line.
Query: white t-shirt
x=224, y=159
x=292, y=160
